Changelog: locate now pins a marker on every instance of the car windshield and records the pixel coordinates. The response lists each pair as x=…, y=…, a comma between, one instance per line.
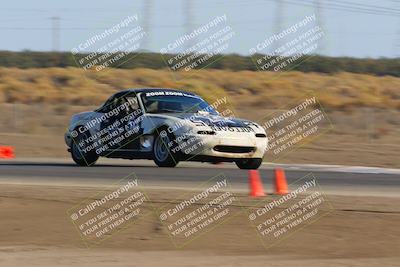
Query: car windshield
x=174, y=102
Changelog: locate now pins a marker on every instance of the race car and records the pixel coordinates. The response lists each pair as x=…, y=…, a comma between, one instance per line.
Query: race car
x=167, y=126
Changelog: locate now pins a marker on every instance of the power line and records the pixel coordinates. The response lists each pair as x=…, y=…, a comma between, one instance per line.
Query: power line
x=339, y=5
x=363, y=5
x=345, y=8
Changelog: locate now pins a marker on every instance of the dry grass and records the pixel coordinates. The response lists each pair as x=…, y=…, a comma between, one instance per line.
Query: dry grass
x=342, y=91
x=36, y=105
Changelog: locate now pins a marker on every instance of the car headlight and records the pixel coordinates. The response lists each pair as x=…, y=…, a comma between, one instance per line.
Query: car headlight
x=198, y=123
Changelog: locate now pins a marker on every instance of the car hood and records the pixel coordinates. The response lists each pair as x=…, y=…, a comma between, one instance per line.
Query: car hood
x=209, y=120
x=82, y=116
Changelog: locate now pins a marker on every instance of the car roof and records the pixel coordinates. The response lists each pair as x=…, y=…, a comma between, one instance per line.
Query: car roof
x=140, y=90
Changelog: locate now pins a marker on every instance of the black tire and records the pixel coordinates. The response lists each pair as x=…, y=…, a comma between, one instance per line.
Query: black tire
x=162, y=154
x=249, y=164
x=81, y=158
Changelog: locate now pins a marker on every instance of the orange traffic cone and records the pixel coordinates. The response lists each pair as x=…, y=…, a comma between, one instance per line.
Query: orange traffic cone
x=281, y=187
x=6, y=152
x=256, y=187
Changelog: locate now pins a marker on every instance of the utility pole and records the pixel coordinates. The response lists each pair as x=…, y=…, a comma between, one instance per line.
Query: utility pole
x=55, y=22
x=146, y=20
x=278, y=24
x=188, y=19
x=397, y=45
x=55, y=26
x=319, y=20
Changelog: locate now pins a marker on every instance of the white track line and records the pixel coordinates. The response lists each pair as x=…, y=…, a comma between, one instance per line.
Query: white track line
x=265, y=165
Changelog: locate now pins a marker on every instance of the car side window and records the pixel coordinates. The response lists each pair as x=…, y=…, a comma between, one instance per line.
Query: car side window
x=133, y=102
x=118, y=100
x=115, y=103
x=106, y=106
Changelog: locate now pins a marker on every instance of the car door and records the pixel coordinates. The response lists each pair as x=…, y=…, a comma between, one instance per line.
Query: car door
x=132, y=122
x=122, y=122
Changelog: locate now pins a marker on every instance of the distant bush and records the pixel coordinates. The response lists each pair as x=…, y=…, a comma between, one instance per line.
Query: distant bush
x=74, y=86
x=321, y=64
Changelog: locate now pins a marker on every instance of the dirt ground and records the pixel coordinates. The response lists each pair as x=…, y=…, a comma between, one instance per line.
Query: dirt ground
x=36, y=230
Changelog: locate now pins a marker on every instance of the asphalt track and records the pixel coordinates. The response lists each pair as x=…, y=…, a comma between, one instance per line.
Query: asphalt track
x=338, y=180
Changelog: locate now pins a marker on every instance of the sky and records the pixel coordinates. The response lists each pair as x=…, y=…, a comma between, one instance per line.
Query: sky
x=358, y=28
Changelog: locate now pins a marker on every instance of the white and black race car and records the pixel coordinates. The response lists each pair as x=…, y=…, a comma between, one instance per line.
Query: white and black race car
x=164, y=125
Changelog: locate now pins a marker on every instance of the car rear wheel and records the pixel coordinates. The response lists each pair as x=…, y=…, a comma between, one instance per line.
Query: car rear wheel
x=162, y=154
x=80, y=157
x=249, y=164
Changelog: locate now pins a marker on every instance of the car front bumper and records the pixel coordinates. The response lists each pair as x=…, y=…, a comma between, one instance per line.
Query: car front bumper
x=224, y=145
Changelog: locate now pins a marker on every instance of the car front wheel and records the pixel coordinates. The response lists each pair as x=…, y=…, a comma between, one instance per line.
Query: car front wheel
x=162, y=154
x=249, y=164
x=80, y=157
